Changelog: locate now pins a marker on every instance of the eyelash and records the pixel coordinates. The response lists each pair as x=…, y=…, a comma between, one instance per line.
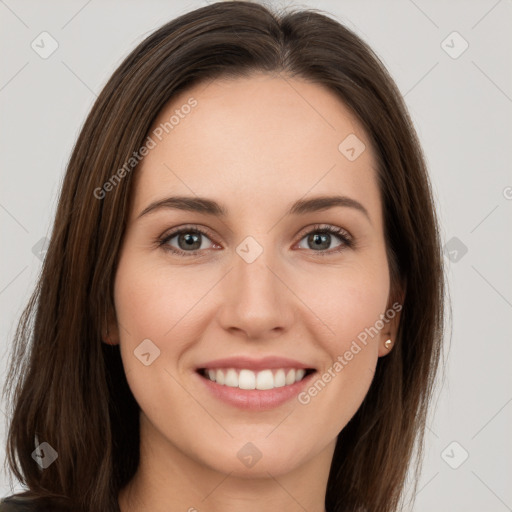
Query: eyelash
x=345, y=238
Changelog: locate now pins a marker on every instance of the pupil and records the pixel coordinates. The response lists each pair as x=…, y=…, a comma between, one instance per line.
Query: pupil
x=318, y=240
x=190, y=239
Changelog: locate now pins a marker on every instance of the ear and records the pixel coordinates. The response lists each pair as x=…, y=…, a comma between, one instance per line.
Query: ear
x=110, y=329
x=391, y=320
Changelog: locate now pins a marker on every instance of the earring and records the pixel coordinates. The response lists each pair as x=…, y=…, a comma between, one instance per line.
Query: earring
x=388, y=344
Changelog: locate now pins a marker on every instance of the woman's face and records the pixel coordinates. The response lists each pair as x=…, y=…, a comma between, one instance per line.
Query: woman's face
x=264, y=292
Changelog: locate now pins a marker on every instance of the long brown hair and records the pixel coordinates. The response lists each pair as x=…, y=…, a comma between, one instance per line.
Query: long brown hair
x=68, y=388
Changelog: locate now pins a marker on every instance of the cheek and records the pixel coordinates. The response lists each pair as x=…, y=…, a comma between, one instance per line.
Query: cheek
x=352, y=307
x=351, y=303
x=151, y=300
x=151, y=304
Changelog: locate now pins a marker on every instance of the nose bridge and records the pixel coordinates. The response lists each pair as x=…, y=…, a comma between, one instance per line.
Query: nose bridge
x=253, y=278
x=256, y=297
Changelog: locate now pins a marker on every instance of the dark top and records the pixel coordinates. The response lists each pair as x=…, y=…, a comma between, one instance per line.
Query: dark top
x=28, y=502
x=24, y=503
x=17, y=503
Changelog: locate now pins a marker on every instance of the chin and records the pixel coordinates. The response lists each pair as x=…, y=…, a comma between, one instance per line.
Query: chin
x=258, y=457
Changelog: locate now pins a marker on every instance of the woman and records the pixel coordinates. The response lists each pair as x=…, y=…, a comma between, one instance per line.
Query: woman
x=242, y=302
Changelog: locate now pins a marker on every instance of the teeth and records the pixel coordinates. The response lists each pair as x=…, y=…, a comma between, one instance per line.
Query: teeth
x=247, y=379
x=279, y=379
x=231, y=379
x=265, y=380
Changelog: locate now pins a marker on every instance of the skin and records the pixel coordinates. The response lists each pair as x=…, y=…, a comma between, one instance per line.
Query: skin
x=255, y=145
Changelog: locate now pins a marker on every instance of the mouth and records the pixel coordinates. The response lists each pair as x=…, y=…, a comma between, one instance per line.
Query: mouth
x=262, y=380
x=251, y=383
x=257, y=389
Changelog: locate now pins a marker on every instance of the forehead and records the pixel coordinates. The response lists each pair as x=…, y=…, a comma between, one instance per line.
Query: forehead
x=254, y=139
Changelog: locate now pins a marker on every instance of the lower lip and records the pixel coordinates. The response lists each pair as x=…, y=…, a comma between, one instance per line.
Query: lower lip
x=255, y=399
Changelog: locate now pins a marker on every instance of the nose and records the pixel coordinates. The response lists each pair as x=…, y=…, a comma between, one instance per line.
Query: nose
x=256, y=302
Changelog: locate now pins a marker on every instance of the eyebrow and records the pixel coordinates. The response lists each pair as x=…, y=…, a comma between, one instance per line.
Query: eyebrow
x=211, y=207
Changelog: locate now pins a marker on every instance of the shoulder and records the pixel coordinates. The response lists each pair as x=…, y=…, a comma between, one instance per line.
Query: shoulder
x=24, y=502
x=17, y=503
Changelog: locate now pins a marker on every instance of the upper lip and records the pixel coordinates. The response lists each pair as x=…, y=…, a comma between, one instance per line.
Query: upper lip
x=251, y=363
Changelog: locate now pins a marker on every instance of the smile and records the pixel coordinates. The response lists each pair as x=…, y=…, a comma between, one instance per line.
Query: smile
x=260, y=380
x=254, y=390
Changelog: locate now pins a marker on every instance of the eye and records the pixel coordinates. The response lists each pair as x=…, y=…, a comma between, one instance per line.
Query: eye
x=187, y=238
x=321, y=237
x=190, y=240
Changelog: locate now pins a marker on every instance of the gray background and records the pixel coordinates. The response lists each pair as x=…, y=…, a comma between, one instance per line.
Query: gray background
x=461, y=104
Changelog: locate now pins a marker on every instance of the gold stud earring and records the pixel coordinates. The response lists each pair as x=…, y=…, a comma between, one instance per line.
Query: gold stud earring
x=388, y=344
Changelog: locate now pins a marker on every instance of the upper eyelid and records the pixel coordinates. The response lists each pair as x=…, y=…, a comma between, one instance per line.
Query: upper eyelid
x=320, y=227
